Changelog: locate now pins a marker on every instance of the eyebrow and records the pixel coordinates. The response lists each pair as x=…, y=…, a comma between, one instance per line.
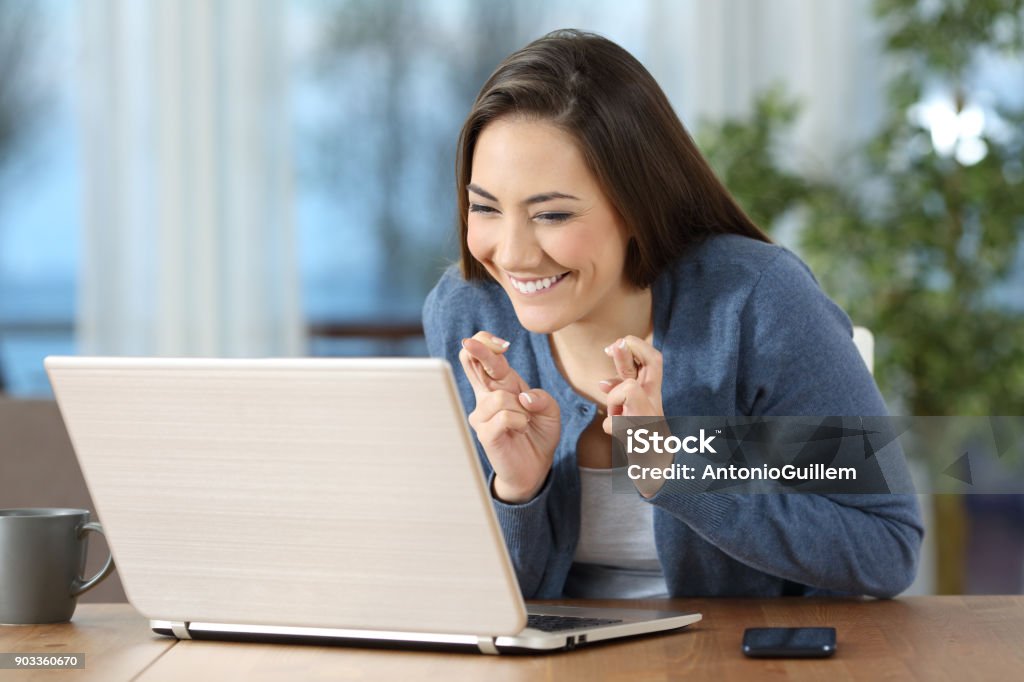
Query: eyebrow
x=535, y=199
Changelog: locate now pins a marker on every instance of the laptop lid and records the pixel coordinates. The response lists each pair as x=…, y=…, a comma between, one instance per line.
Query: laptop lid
x=332, y=493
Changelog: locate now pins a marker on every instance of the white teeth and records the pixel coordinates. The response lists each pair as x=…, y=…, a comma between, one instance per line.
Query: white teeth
x=534, y=285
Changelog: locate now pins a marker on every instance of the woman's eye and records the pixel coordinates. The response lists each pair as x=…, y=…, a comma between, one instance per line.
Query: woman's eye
x=553, y=217
x=480, y=208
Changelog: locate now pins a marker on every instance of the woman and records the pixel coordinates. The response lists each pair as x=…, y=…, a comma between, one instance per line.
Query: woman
x=606, y=271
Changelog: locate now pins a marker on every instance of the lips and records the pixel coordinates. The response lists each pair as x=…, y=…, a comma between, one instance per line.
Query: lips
x=537, y=285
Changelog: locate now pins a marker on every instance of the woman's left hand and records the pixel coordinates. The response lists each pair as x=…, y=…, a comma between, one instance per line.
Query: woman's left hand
x=636, y=390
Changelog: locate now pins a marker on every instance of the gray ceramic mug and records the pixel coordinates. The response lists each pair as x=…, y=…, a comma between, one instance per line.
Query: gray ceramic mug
x=42, y=556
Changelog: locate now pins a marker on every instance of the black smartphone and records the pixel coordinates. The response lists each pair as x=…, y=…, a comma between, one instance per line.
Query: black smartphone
x=789, y=642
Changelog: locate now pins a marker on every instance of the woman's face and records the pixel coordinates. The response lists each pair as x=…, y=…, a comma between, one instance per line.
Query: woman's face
x=542, y=227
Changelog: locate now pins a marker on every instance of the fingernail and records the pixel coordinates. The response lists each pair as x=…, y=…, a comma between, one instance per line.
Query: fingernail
x=463, y=342
x=604, y=383
x=622, y=344
x=607, y=350
x=527, y=397
x=500, y=341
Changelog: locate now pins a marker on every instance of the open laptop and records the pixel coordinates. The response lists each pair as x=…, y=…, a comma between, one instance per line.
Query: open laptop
x=323, y=500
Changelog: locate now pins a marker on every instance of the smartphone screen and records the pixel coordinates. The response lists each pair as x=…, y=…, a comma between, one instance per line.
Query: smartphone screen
x=789, y=642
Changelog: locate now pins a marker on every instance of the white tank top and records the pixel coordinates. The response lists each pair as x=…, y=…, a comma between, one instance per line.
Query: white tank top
x=616, y=557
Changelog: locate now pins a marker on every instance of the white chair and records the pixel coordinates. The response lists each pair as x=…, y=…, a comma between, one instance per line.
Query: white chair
x=865, y=342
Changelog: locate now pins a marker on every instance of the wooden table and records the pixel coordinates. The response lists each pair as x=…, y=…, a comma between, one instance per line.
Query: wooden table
x=922, y=638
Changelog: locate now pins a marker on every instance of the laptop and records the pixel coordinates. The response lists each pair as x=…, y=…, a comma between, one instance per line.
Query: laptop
x=311, y=500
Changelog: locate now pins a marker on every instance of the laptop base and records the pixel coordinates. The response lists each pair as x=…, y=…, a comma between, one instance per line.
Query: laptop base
x=622, y=623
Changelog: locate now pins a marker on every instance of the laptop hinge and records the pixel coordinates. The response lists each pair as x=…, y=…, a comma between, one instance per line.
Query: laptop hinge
x=180, y=629
x=486, y=645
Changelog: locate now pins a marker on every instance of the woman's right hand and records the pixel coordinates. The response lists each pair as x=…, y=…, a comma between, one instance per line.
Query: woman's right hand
x=517, y=426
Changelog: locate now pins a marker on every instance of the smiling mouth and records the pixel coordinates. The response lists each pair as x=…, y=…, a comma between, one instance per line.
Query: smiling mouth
x=536, y=286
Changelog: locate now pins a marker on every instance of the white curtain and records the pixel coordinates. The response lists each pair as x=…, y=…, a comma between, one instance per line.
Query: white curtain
x=188, y=245
x=712, y=58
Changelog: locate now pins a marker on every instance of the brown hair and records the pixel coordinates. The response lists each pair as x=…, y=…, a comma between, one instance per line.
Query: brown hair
x=633, y=142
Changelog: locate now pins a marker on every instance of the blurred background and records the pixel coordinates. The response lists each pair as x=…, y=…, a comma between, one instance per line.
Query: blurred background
x=275, y=177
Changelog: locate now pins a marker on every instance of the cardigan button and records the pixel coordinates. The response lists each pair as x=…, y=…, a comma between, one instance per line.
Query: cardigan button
x=583, y=410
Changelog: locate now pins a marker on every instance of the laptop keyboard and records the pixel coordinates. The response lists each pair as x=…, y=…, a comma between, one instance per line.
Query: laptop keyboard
x=560, y=623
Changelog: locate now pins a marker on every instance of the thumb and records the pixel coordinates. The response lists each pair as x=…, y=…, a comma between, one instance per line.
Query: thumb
x=538, y=401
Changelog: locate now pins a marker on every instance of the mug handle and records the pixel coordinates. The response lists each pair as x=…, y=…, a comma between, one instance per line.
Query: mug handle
x=80, y=586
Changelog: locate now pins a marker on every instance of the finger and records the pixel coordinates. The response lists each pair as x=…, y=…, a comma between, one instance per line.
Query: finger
x=607, y=386
x=495, y=343
x=606, y=424
x=509, y=420
x=627, y=399
x=646, y=358
x=630, y=399
x=493, y=402
x=538, y=401
x=618, y=396
x=502, y=423
x=620, y=354
x=474, y=373
x=493, y=363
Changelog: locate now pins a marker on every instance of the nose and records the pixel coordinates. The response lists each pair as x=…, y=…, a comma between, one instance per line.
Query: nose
x=518, y=249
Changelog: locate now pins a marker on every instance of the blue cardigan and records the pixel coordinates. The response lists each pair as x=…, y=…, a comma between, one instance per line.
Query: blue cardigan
x=744, y=329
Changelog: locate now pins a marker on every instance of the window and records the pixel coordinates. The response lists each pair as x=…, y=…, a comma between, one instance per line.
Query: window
x=39, y=191
x=379, y=93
